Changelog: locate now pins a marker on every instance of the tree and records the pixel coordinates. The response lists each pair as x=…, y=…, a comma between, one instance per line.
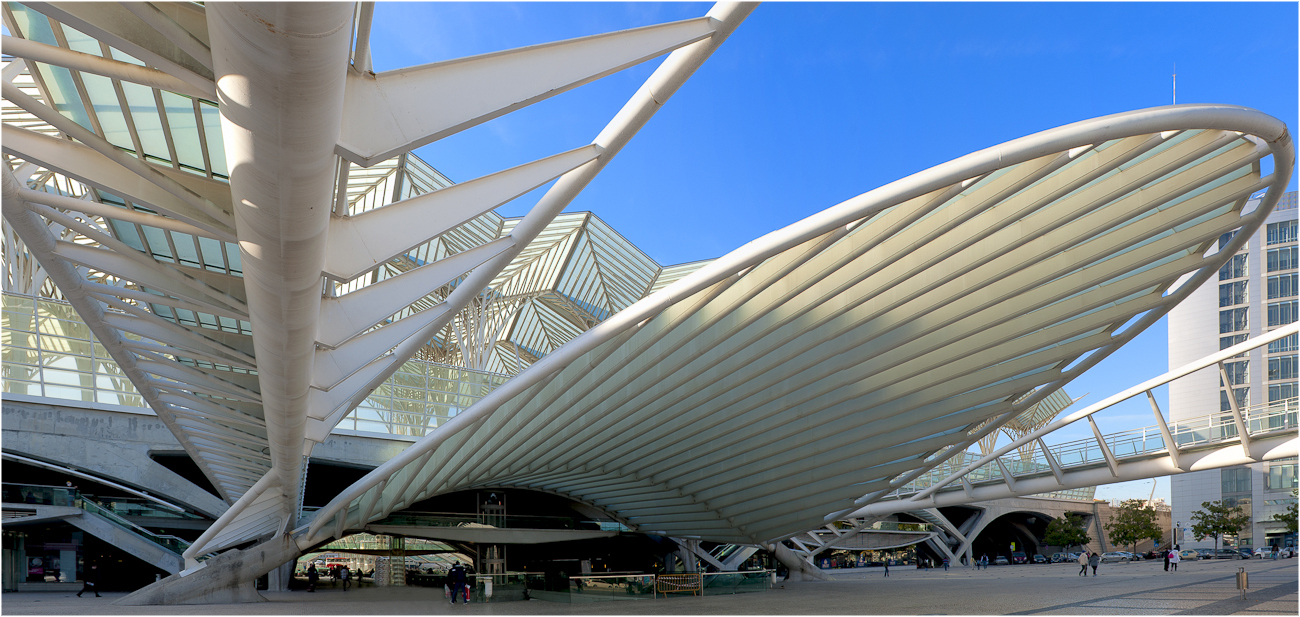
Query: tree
x=1133, y=522
x=1216, y=519
x=1289, y=519
x=1067, y=531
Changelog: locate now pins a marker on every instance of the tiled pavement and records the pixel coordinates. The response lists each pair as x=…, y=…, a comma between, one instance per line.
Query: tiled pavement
x=1199, y=588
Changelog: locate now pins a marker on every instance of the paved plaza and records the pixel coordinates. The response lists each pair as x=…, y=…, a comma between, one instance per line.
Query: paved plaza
x=1199, y=588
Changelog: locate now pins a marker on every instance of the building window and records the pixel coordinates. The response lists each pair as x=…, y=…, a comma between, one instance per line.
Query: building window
x=1282, y=391
x=1282, y=345
x=1281, y=233
x=1233, y=320
x=1236, y=480
x=1279, y=313
x=1228, y=341
x=1282, y=367
x=1235, y=268
x=1282, y=259
x=1233, y=293
x=1282, y=476
x=1243, y=399
x=1237, y=373
x=1281, y=286
x=1226, y=238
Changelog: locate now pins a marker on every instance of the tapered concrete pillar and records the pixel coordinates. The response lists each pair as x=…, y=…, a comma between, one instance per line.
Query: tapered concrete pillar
x=800, y=570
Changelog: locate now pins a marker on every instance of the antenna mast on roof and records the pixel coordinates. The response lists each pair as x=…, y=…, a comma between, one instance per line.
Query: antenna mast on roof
x=1175, y=83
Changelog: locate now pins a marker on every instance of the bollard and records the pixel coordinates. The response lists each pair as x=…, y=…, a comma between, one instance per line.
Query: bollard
x=1243, y=581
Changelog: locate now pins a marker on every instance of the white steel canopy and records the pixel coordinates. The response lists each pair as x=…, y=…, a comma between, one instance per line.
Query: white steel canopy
x=826, y=364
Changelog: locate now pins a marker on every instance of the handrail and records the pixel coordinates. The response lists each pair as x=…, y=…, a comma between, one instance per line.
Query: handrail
x=169, y=542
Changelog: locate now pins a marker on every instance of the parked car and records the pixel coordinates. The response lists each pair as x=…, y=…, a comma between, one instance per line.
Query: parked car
x=1228, y=553
x=1246, y=553
x=1264, y=552
x=1189, y=555
x=1115, y=557
x=1072, y=557
x=1155, y=554
x=1040, y=559
x=1206, y=553
x=1019, y=557
x=1000, y=561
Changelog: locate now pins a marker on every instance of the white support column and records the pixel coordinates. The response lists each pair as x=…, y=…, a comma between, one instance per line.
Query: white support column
x=1236, y=411
x=1170, y=445
x=1006, y=474
x=1105, y=450
x=1051, y=461
x=281, y=77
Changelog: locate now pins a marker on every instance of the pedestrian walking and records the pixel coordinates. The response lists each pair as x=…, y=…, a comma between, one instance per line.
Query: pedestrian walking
x=1174, y=558
x=345, y=575
x=92, y=577
x=945, y=564
x=1167, y=558
x=888, y=562
x=312, y=577
x=457, y=577
x=1083, y=563
x=1093, y=560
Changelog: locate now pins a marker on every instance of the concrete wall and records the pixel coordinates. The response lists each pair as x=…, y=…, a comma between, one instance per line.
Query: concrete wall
x=108, y=444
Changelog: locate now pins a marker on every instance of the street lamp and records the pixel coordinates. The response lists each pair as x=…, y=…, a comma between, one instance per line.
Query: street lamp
x=1177, y=529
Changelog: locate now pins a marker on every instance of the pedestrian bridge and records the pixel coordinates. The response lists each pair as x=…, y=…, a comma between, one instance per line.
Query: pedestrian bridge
x=1235, y=436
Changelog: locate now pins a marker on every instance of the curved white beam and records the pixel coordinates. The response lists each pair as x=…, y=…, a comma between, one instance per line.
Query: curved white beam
x=398, y=111
x=359, y=244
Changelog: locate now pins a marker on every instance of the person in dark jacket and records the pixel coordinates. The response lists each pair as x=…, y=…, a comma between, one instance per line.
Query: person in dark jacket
x=92, y=577
x=1167, y=560
x=1094, y=560
x=457, y=578
x=312, y=577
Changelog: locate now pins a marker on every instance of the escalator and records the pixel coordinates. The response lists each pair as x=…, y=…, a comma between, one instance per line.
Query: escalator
x=25, y=504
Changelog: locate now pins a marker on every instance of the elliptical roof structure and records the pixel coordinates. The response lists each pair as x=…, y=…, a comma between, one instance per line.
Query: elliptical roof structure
x=257, y=288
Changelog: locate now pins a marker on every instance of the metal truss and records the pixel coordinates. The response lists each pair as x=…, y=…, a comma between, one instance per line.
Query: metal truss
x=1237, y=436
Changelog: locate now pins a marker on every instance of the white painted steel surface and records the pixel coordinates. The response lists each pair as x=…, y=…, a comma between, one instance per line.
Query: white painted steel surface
x=874, y=334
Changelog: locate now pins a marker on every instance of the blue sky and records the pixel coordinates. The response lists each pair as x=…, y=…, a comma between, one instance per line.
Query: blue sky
x=809, y=104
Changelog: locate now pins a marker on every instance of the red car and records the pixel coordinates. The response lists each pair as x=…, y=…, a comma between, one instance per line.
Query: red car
x=1019, y=557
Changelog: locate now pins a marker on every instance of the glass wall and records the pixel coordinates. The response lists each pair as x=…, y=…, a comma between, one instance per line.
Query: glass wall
x=49, y=351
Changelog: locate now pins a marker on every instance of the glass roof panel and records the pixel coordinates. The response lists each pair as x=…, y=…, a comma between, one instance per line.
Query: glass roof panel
x=185, y=130
x=212, y=134
x=144, y=111
x=103, y=99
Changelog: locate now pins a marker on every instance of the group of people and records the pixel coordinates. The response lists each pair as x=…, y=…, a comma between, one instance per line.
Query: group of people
x=1086, y=559
x=338, y=572
x=1172, y=557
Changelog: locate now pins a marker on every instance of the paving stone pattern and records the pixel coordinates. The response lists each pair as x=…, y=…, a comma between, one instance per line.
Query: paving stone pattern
x=1198, y=588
